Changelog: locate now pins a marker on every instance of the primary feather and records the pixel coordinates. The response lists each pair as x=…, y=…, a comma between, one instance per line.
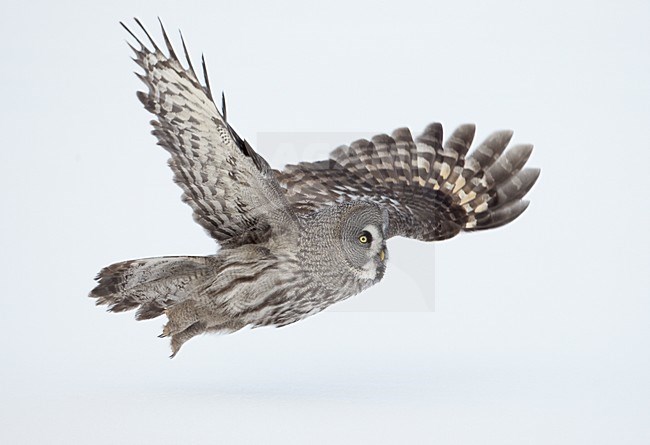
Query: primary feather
x=431, y=191
x=234, y=195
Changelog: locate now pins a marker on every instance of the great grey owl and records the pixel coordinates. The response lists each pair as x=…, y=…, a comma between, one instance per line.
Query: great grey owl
x=295, y=241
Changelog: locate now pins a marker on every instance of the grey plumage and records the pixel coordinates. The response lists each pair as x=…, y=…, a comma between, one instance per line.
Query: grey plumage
x=295, y=241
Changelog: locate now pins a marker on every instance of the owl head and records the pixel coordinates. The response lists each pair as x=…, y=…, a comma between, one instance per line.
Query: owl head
x=344, y=244
x=361, y=233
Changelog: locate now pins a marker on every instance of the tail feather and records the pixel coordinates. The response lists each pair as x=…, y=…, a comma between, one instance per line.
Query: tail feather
x=151, y=284
x=181, y=288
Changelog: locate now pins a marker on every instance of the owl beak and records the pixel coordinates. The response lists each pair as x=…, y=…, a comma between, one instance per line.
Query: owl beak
x=382, y=255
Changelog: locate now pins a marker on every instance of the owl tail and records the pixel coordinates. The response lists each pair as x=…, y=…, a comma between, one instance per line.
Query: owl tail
x=157, y=286
x=152, y=285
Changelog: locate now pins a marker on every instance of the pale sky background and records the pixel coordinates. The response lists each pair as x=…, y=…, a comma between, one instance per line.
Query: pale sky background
x=541, y=329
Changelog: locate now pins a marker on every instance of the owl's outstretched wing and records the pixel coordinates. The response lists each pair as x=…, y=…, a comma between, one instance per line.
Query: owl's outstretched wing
x=231, y=189
x=431, y=191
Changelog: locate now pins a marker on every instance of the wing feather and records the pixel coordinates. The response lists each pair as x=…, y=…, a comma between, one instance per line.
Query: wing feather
x=431, y=191
x=230, y=188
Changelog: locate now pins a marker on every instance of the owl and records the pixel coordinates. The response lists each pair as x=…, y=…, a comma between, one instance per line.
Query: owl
x=295, y=241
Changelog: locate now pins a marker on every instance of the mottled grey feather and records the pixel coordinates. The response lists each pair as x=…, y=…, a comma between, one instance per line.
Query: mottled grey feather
x=431, y=191
x=231, y=189
x=296, y=241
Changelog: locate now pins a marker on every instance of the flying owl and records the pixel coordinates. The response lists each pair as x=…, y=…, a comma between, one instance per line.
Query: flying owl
x=296, y=241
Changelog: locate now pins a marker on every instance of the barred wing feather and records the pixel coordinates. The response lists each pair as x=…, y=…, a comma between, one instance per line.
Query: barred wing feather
x=432, y=191
x=231, y=189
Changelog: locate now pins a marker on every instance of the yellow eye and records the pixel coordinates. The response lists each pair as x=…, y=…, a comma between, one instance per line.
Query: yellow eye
x=365, y=237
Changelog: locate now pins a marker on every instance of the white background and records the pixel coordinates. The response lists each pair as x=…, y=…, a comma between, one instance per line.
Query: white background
x=541, y=332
